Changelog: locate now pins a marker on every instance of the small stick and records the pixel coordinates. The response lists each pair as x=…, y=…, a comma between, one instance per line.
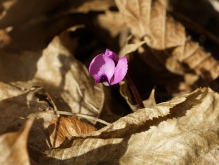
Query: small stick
x=135, y=92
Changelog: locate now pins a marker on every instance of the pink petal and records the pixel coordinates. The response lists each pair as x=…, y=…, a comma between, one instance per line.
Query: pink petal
x=112, y=55
x=120, y=70
x=101, y=66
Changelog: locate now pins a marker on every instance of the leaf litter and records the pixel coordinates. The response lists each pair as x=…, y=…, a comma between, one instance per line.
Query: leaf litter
x=43, y=75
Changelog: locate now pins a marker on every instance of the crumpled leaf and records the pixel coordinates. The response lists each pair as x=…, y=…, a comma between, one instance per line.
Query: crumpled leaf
x=198, y=19
x=67, y=87
x=68, y=80
x=13, y=146
x=16, y=105
x=210, y=158
x=126, y=93
x=176, y=132
x=62, y=127
x=63, y=77
x=112, y=22
x=167, y=43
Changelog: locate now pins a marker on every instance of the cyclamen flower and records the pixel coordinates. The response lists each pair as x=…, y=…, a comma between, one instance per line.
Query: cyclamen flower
x=108, y=68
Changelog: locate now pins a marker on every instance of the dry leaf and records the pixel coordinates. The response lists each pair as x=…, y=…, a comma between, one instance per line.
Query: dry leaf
x=62, y=127
x=68, y=80
x=94, y=5
x=49, y=82
x=112, y=22
x=167, y=43
x=201, y=19
x=176, y=132
x=18, y=104
x=150, y=102
x=126, y=93
x=13, y=146
x=64, y=78
x=55, y=69
x=210, y=158
x=144, y=82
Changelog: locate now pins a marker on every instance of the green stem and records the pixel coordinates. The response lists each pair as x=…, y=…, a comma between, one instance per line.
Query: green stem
x=135, y=92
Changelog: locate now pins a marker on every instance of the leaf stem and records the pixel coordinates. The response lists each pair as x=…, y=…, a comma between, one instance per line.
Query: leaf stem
x=135, y=92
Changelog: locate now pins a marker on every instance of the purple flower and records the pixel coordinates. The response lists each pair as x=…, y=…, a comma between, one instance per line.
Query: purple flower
x=108, y=68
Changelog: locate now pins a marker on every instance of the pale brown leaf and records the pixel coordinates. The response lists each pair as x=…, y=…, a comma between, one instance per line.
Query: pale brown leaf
x=112, y=22
x=167, y=42
x=65, y=79
x=62, y=127
x=126, y=93
x=17, y=104
x=13, y=146
x=150, y=102
x=211, y=158
x=186, y=129
x=94, y=5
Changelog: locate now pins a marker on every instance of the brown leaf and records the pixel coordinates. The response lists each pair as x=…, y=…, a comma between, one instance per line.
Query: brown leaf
x=210, y=158
x=176, y=132
x=167, y=42
x=18, y=104
x=61, y=128
x=150, y=102
x=13, y=146
x=198, y=19
x=65, y=79
x=112, y=22
x=94, y=5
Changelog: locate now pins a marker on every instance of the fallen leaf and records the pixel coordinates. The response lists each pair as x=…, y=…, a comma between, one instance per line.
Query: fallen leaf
x=111, y=21
x=13, y=146
x=198, y=20
x=210, y=158
x=150, y=102
x=62, y=127
x=94, y=5
x=16, y=105
x=176, y=132
x=168, y=45
x=126, y=93
x=55, y=69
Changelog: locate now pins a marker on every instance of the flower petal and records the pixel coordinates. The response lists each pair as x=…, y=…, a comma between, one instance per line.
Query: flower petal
x=102, y=67
x=120, y=71
x=112, y=55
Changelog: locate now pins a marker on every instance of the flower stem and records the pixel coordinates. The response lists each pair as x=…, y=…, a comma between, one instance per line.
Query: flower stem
x=135, y=92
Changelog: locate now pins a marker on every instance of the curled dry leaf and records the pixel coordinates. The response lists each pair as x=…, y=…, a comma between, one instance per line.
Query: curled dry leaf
x=210, y=158
x=62, y=127
x=64, y=78
x=112, y=29
x=167, y=43
x=13, y=146
x=126, y=93
x=55, y=69
x=67, y=79
x=112, y=22
x=180, y=131
x=17, y=104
